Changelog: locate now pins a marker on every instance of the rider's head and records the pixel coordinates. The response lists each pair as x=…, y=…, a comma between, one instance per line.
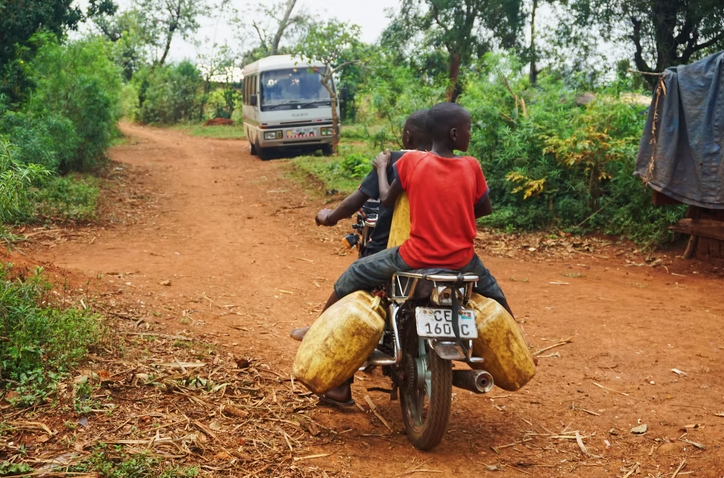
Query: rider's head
x=449, y=124
x=414, y=134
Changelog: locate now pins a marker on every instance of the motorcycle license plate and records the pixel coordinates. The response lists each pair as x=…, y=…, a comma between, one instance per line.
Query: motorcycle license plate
x=433, y=323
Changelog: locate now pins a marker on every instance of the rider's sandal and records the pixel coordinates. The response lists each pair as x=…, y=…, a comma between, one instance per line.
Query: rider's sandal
x=324, y=400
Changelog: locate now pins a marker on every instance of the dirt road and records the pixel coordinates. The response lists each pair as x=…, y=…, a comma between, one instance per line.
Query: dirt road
x=235, y=238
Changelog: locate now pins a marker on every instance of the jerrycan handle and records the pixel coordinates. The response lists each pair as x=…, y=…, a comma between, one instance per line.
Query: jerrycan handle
x=376, y=306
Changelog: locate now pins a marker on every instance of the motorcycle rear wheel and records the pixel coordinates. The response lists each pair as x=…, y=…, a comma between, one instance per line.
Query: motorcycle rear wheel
x=425, y=401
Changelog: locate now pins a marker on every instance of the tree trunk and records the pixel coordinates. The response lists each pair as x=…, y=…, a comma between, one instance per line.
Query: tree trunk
x=533, y=75
x=453, y=77
x=282, y=26
x=327, y=83
x=169, y=37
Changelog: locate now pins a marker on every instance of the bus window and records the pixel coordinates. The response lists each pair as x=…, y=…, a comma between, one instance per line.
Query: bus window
x=285, y=89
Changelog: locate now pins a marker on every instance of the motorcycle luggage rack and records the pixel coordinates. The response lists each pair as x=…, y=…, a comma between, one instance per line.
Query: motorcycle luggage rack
x=405, y=283
x=381, y=358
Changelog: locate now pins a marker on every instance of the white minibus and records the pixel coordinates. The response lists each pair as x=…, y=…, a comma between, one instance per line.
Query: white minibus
x=285, y=106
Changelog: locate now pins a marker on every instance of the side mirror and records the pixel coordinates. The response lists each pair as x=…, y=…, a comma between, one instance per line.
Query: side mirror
x=343, y=94
x=253, y=100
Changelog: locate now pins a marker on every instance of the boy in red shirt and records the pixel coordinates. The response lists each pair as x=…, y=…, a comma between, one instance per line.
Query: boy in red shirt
x=447, y=193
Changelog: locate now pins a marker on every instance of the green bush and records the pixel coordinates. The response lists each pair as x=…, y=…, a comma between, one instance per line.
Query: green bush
x=355, y=165
x=71, y=197
x=75, y=85
x=129, y=101
x=392, y=91
x=551, y=164
x=41, y=341
x=49, y=140
x=168, y=94
x=16, y=180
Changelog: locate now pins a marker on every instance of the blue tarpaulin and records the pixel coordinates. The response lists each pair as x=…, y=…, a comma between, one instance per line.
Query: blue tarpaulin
x=681, y=149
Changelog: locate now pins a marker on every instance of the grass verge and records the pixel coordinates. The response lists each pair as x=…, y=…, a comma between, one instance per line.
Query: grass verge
x=67, y=198
x=341, y=173
x=217, y=132
x=41, y=339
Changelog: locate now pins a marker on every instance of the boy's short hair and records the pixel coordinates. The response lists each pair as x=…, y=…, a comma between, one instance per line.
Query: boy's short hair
x=442, y=117
x=417, y=123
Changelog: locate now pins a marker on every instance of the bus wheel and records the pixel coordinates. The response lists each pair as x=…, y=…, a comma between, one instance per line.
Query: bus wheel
x=252, y=147
x=327, y=149
x=263, y=153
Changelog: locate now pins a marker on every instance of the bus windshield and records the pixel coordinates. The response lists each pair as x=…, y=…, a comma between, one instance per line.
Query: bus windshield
x=292, y=88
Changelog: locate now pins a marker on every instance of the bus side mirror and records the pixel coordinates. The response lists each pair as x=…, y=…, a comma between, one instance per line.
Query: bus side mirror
x=252, y=100
x=343, y=94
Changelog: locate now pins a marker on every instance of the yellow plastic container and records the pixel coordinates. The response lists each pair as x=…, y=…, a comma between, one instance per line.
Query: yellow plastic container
x=400, y=227
x=339, y=342
x=501, y=343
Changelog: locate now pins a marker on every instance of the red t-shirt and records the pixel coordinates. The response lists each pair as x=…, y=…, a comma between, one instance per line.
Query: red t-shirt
x=443, y=193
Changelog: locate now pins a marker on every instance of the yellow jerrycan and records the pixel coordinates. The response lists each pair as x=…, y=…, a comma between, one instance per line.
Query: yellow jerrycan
x=501, y=344
x=339, y=342
x=400, y=227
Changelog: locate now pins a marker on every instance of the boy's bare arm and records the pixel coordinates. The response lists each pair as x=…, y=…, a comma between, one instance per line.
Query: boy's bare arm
x=485, y=208
x=388, y=192
x=350, y=205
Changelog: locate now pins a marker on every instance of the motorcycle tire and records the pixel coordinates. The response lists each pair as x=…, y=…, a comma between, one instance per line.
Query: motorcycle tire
x=425, y=425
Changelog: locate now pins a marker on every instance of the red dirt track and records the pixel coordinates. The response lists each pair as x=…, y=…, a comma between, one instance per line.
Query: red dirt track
x=237, y=241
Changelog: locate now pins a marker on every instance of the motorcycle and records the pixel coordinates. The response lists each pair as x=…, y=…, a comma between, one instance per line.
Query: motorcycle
x=428, y=328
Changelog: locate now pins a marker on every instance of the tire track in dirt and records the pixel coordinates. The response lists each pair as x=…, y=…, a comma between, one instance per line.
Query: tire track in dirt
x=238, y=244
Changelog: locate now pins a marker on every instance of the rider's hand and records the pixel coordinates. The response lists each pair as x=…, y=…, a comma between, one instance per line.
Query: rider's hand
x=382, y=160
x=322, y=218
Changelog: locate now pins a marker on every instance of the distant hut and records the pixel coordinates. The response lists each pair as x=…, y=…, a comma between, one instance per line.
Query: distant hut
x=681, y=156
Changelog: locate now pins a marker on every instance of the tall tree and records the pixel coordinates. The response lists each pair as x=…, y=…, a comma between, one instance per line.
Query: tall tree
x=464, y=28
x=167, y=18
x=19, y=20
x=533, y=51
x=270, y=28
x=663, y=33
x=337, y=45
x=130, y=39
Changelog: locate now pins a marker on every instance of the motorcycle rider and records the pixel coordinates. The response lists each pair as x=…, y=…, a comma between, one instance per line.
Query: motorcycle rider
x=414, y=137
x=447, y=193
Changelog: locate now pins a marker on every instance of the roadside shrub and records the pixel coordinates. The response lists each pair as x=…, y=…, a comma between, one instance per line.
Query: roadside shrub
x=168, y=94
x=392, y=91
x=551, y=164
x=223, y=102
x=129, y=101
x=42, y=340
x=78, y=85
x=355, y=165
x=15, y=182
x=67, y=198
x=49, y=140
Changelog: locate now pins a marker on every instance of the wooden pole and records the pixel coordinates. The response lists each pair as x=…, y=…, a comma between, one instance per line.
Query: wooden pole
x=691, y=247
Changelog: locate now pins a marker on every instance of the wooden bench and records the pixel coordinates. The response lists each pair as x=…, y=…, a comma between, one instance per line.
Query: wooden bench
x=710, y=229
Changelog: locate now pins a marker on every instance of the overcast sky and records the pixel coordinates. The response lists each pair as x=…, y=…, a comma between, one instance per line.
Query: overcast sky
x=368, y=14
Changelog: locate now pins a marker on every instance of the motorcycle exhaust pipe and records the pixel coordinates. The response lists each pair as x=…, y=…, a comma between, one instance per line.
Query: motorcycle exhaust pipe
x=477, y=381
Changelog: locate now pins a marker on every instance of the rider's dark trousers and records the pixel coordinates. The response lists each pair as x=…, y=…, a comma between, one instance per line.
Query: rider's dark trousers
x=377, y=269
